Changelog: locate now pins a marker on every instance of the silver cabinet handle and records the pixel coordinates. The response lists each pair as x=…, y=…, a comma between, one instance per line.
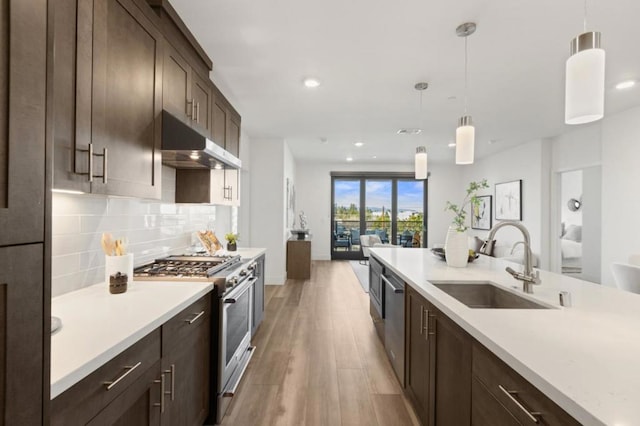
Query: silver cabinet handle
x=129, y=369
x=421, y=319
x=172, y=392
x=104, y=164
x=426, y=324
x=90, y=151
x=161, y=404
x=510, y=394
x=198, y=112
x=395, y=289
x=194, y=319
x=431, y=330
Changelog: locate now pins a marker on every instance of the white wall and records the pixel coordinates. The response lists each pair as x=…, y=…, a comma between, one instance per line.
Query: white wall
x=620, y=194
x=313, y=188
x=244, y=211
x=269, y=159
x=525, y=162
x=153, y=228
x=592, y=224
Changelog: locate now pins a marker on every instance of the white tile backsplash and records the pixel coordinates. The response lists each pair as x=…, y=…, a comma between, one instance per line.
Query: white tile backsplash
x=153, y=229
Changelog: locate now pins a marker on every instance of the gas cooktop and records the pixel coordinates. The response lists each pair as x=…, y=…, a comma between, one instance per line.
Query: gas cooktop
x=187, y=266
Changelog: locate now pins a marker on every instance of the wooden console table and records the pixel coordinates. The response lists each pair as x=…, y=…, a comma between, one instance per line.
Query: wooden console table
x=299, y=259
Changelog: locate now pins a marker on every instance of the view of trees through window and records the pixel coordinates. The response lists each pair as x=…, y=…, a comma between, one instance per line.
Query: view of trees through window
x=379, y=207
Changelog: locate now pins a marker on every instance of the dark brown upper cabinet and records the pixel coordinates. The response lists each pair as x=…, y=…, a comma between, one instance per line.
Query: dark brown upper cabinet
x=23, y=56
x=233, y=138
x=186, y=95
x=107, y=124
x=220, y=120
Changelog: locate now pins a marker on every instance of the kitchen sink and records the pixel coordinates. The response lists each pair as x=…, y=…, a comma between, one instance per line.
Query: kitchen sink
x=485, y=295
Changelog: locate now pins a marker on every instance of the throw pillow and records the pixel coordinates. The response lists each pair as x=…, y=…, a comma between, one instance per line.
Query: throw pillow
x=573, y=233
x=487, y=247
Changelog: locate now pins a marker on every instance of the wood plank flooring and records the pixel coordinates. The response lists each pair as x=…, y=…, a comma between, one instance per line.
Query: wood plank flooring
x=318, y=359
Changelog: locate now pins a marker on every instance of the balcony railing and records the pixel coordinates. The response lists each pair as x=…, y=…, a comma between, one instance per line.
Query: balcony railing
x=347, y=232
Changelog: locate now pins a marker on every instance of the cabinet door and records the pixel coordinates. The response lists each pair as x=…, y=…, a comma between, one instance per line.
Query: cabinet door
x=23, y=56
x=258, y=295
x=453, y=348
x=202, y=100
x=219, y=117
x=126, y=99
x=176, y=85
x=418, y=357
x=21, y=334
x=233, y=137
x=140, y=404
x=487, y=411
x=232, y=183
x=186, y=365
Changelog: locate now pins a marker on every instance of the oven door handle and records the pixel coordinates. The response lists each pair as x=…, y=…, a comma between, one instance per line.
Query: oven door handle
x=239, y=289
x=230, y=300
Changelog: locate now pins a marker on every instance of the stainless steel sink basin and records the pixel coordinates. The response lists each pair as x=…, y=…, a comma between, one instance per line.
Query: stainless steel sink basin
x=485, y=295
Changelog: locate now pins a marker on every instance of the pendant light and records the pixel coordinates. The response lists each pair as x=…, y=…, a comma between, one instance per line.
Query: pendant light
x=420, y=162
x=584, y=89
x=465, y=133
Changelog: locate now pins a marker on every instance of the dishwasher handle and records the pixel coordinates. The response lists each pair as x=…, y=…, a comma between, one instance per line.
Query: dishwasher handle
x=390, y=284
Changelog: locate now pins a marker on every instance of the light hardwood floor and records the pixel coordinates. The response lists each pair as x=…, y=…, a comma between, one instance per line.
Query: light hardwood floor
x=318, y=359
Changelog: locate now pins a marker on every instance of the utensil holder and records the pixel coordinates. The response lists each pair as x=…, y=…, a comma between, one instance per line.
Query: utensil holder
x=118, y=272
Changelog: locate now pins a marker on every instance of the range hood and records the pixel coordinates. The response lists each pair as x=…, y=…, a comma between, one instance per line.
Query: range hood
x=185, y=148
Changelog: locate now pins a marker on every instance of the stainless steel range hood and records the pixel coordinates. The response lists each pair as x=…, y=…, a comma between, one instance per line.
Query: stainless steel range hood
x=185, y=148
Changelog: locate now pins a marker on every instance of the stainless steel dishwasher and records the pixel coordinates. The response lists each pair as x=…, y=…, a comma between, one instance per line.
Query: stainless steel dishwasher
x=394, y=322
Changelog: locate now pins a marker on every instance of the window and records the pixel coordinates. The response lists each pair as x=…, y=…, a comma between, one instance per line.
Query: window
x=391, y=206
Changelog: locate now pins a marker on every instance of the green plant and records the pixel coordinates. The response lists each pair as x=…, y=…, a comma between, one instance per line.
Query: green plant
x=471, y=199
x=231, y=238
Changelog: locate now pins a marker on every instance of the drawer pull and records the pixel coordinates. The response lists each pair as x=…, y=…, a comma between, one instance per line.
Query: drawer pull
x=510, y=394
x=161, y=404
x=119, y=379
x=432, y=330
x=194, y=319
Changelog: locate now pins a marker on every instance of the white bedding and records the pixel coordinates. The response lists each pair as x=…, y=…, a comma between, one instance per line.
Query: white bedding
x=571, y=249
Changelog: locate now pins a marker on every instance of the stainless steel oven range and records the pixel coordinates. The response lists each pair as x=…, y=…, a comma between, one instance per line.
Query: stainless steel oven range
x=231, y=317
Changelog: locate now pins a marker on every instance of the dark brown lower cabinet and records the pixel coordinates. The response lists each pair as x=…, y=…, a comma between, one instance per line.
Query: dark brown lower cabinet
x=419, y=356
x=163, y=379
x=21, y=335
x=140, y=404
x=451, y=379
x=185, y=364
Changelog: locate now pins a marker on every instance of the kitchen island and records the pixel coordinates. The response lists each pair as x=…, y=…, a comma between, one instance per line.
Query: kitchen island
x=582, y=357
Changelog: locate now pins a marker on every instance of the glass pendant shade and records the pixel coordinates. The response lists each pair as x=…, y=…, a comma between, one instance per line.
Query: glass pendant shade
x=465, y=141
x=584, y=90
x=421, y=162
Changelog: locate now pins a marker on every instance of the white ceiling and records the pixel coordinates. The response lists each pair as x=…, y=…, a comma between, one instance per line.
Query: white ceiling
x=370, y=53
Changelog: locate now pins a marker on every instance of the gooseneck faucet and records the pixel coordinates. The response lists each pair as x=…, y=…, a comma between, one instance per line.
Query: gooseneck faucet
x=527, y=276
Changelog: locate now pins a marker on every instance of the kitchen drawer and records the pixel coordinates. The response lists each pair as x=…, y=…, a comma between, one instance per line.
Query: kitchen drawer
x=485, y=408
x=178, y=328
x=85, y=399
x=523, y=399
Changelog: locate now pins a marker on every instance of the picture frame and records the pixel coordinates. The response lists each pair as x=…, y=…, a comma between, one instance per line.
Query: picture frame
x=481, y=215
x=508, y=196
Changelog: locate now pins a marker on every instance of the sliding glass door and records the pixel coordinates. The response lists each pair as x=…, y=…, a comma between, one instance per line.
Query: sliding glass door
x=391, y=206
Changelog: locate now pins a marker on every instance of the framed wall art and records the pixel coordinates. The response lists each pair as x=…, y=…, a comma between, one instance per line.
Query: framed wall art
x=481, y=214
x=509, y=200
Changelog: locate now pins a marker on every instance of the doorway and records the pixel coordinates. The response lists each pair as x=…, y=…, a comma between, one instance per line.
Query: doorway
x=391, y=206
x=578, y=242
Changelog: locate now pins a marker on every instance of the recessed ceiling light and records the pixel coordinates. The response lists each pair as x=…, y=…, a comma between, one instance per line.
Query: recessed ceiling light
x=194, y=155
x=324, y=141
x=359, y=144
x=409, y=131
x=374, y=157
x=349, y=159
x=625, y=84
x=218, y=166
x=311, y=82
x=452, y=145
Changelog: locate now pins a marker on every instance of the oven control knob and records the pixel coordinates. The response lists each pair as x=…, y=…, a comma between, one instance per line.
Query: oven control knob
x=232, y=281
x=243, y=273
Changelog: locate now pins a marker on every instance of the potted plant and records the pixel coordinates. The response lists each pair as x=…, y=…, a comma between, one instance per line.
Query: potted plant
x=456, y=246
x=232, y=240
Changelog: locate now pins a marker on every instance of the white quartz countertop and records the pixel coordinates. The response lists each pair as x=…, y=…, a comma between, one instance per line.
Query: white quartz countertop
x=586, y=357
x=250, y=253
x=97, y=325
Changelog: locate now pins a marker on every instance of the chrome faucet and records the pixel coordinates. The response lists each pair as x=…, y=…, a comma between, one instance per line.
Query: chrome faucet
x=527, y=276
